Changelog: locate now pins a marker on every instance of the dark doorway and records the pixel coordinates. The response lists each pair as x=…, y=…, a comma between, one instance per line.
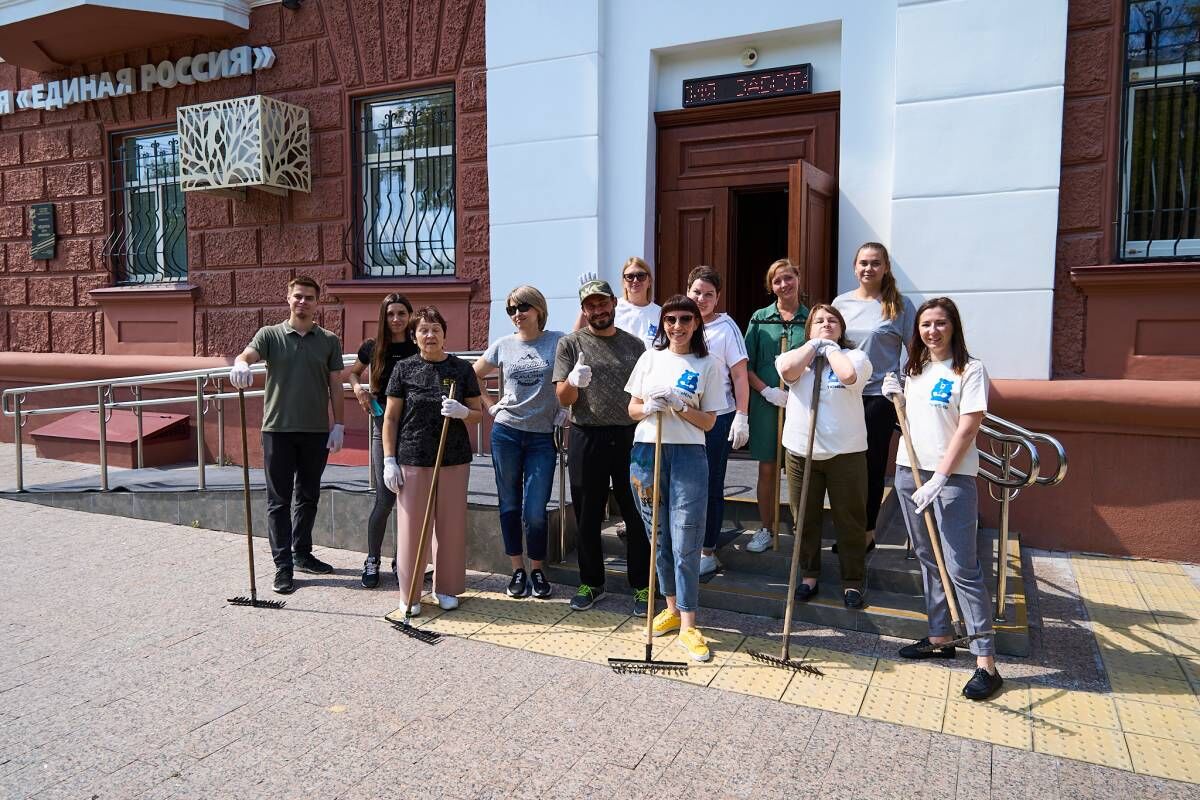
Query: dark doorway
x=760, y=236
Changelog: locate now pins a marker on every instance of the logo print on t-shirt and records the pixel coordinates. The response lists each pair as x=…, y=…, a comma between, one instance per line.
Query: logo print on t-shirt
x=831, y=379
x=689, y=381
x=653, y=331
x=528, y=370
x=940, y=395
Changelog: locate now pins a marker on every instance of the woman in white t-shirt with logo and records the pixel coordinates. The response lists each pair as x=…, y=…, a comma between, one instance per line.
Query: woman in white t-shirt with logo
x=678, y=385
x=945, y=400
x=636, y=313
x=839, y=450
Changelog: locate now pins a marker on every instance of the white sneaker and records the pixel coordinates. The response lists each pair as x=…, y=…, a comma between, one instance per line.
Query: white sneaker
x=760, y=541
x=447, y=602
x=414, y=610
x=708, y=564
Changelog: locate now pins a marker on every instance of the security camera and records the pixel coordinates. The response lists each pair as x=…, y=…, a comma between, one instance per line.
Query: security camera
x=749, y=57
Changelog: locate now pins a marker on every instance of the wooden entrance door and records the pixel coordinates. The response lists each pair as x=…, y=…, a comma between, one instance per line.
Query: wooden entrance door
x=706, y=154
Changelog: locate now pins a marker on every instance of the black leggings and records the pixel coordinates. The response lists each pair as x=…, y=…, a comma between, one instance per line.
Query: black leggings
x=385, y=500
x=881, y=423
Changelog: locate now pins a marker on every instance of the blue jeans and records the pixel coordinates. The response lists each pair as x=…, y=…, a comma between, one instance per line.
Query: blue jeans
x=524, y=464
x=683, y=484
x=716, y=445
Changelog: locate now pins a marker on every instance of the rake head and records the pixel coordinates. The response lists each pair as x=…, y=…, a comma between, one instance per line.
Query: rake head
x=797, y=666
x=405, y=627
x=255, y=602
x=961, y=641
x=636, y=666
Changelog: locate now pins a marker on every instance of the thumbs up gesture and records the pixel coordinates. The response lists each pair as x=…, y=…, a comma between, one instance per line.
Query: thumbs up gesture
x=581, y=375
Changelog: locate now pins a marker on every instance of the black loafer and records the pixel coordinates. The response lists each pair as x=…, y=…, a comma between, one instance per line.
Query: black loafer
x=852, y=598
x=283, y=581
x=310, y=563
x=983, y=684
x=806, y=592
x=919, y=649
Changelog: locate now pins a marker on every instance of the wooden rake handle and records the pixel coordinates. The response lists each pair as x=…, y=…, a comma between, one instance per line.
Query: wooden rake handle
x=652, y=586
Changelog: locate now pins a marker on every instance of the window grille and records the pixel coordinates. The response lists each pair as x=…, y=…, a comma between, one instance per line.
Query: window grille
x=1160, y=180
x=404, y=178
x=148, y=241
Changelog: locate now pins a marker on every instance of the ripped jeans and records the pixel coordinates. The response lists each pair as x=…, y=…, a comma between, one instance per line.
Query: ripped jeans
x=683, y=496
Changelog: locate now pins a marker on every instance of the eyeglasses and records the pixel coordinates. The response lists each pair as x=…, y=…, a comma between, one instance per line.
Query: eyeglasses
x=521, y=307
x=634, y=277
x=682, y=319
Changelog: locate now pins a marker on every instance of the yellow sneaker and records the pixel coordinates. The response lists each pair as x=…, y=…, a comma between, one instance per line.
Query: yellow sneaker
x=693, y=641
x=665, y=622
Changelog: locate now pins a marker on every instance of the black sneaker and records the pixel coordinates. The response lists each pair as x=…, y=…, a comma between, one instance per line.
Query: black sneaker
x=370, y=576
x=852, y=598
x=641, y=602
x=283, y=581
x=983, y=684
x=310, y=563
x=541, y=586
x=919, y=650
x=519, y=585
x=585, y=597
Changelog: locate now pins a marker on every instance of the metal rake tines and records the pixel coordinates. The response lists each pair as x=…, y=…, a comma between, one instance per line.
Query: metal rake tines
x=798, y=666
x=428, y=637
x=246, y=601
x=630, y=666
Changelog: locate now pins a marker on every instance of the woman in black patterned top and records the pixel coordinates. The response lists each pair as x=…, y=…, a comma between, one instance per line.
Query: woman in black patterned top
x=417, y=401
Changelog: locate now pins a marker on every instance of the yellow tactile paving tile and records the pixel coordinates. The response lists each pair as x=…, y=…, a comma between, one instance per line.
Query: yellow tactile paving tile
x=495, y=604
x=1160, y=665
x=428, y=612
x=740, y=674
x=1165, y=580
x=454, y=623
x=595, y=621
x=829, y=694
x=1125, y=596
x=1013, y=695
x=842, y=666
x=904, y=708
x=1121, y=618
x=1149, y=719
x=1164, y=567
x=1083, y=743
x=989, y=724
x=1083, y=707
x=565, y=644
x=1191, y=668
x=771, y=647
x=1164, y=758
x=632, y=628
x=1186, y=646
x=1137, y=639
x=509, y=633
x=911, y=678
x=1149, y=689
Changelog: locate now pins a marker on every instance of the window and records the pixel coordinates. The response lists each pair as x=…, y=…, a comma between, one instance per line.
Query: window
x=1160, y=175
x=404, y=172
x=148, y=242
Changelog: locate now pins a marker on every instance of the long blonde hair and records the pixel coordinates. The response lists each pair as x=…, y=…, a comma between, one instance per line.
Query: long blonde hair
x=639, y=262
x=893, y=301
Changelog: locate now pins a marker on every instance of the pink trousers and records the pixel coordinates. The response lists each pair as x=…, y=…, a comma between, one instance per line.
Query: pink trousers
x=447, y=530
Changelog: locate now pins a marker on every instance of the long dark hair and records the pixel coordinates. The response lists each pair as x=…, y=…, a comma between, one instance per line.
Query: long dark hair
x=812, y=315
x=383, y=340
x=681, y=302
x=918, y=353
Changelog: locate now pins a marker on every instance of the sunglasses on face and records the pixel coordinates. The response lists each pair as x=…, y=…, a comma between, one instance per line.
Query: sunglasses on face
x=634, y=277
x=682, y=319
x=519, y=307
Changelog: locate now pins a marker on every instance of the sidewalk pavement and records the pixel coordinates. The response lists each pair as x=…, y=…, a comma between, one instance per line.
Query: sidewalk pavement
x=124, y=674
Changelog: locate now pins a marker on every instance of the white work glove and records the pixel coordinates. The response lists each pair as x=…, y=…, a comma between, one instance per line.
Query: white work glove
x=336, y=435
x=668, y=396
x=775, y=396
x=454, y=409
x=561, y=416
x=587, y=277
x=503, y=403
x=739, y=434
x=892, y=387
x=393, y=478
x=823, y=347
x=653, y=405
x=240, y=375
x=929, y=491
x=581, y=374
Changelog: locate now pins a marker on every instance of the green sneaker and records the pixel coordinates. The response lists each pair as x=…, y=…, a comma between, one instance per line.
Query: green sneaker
x=586, y=596
x=641, y=601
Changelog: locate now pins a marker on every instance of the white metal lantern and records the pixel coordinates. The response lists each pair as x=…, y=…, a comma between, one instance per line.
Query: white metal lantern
x=255, y=141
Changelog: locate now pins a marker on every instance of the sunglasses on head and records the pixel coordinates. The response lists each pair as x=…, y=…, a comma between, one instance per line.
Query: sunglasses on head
x=519, y=307
x=682, y=319
x=633, y=277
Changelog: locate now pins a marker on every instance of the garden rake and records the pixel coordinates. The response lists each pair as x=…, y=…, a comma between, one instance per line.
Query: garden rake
x=648, y=666
x=405, y=626
x=252, y=600
x=784, y=661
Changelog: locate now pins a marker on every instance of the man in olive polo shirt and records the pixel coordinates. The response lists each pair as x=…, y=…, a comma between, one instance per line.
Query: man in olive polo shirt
x=304, y=366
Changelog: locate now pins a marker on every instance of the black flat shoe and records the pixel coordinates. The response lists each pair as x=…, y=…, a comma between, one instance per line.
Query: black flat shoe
x=852, y=598
x=283, y=581
x=311, y=564
x=805, y=592
x=919, y=649
x=983, y=684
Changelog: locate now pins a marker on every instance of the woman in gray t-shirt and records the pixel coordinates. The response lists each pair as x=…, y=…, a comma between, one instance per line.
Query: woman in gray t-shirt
x=523, y=451
x=880, y=321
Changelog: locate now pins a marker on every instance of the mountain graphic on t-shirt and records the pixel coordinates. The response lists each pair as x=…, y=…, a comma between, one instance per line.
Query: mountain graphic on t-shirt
x=528, y=370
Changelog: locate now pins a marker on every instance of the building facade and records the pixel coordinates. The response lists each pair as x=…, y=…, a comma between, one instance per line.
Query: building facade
x=1036, y=160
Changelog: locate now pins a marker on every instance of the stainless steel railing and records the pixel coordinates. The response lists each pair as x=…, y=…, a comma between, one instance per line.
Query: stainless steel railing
x=12, y=403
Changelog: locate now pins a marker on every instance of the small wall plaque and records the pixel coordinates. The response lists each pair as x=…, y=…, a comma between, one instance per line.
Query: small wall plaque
x=43, y=237
x=735, y=86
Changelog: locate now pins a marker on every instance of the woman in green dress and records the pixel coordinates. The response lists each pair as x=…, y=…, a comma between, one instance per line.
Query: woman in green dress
x=786, y=316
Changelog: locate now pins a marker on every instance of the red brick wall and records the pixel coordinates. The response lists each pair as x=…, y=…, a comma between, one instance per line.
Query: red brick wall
x=241, y=253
